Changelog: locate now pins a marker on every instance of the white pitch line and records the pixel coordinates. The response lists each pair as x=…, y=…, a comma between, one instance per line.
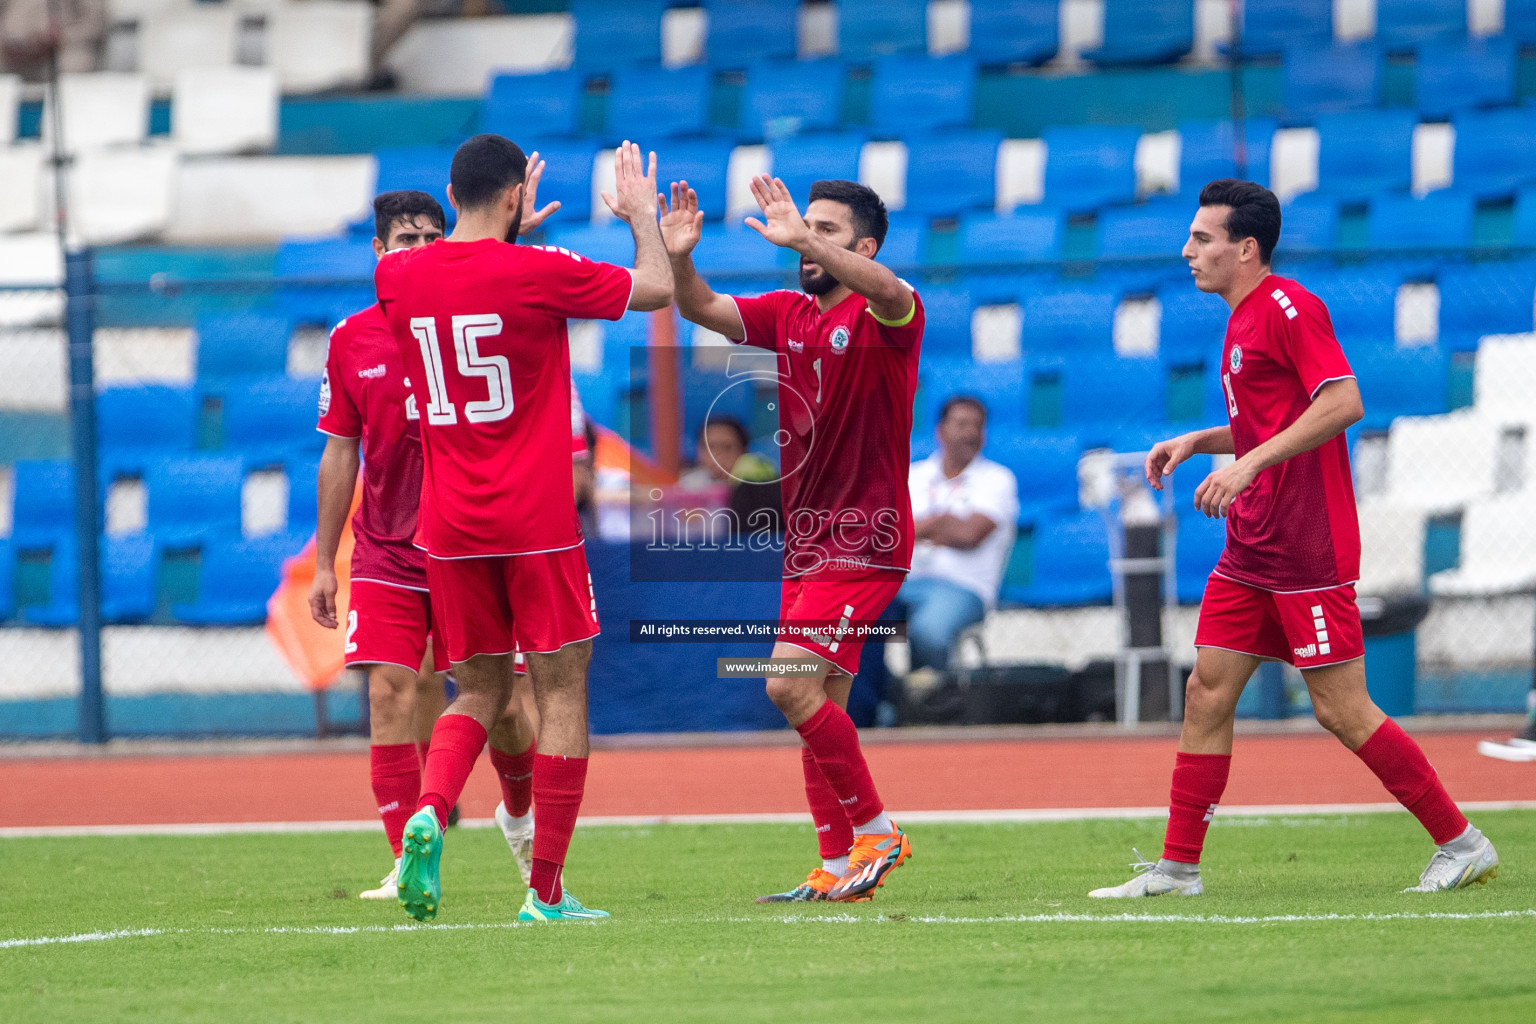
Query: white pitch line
x=978, y=817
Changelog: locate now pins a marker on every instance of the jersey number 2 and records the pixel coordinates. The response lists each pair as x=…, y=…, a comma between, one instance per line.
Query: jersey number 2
x=468, y=329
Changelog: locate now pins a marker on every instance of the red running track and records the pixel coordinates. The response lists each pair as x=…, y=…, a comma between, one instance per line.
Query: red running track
x=1285, y=769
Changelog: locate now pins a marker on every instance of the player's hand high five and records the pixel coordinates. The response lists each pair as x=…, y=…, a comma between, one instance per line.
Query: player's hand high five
x=682, y=222
x=632, y=199
x=532, y=216
x=781, y=224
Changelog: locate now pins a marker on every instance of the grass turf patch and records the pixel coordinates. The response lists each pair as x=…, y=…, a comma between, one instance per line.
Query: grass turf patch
x=1302, y=920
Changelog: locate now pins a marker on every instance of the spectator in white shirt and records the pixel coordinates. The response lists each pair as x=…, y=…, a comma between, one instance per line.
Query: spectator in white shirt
x=966, y=509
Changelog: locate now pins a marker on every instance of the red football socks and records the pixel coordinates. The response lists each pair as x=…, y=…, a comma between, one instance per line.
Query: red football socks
x=834, y=832
x=834, y=742
x=456, y=744
x=396, y=778
x=1406, y=772
x=515, y=773
x=558, y=783
x=1198, y=781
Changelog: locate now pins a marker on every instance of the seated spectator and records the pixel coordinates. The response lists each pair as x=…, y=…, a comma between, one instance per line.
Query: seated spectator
x=966, y=509
x=723, y=459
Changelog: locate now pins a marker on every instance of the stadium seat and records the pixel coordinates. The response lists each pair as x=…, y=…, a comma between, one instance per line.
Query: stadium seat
x=1145, y=31
x=658, y=103
x=192, y=497
x=567, y=176
x=324, y=279
x=43, y=501
x=186, y=37
x=269, y=419
x=906, y=243
x=612, y=242
x=738, y=251
x=1330, y=80
x=135, y=424
x=10, y=100
x=1362, y=302
x=224, y=110
x=533, y=106
x=127, y=579
x=1442, y=463
x=948, y=310
x=121, y=194
x=1492, y=151
x=1087, y=166
x=1071, y=562
x=1027, y=235
x=711, y=393
x=1391, y=548
x=800, y=160
x=100, y=108
x=229, y=344
x=1361, y=154
x=303, y=498
x=21, y=204
x=1404, y=24
x=703, y=164
x=1193, y=325
x=915, y=94
x=1272, y=27
x=1070, y=319
x=1158, y=228
x=236, y=577
x=1000, y=386
x=1484, y=298
x=1206, y=152
x=868, y=29
x=949, y=172
x=1197, y=547
x=7, y=580
x=743, y=31
x=617, y=33
x=783, y=98
x=1399, y=382
x=1014, y=31
x=1520, y=21
x=1467, y=73
x=1498, y=550
x=1504, y=379
x=1044, y=462
x=421, y=167
x=1308, y=224
x=1440, y=220
x=319, y=44
x=1105, y=390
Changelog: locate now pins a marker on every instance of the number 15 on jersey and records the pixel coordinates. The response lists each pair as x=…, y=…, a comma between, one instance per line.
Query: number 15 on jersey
x=468, y=330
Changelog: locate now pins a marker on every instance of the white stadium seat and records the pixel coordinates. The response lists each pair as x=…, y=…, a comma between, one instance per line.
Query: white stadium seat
x=1020, y=173
x=176, y=41
x=263, y=198
x=22, y=168
x=1391, y=547
x=883, y=167
x=31, y=260
x=10, y=99
x=1441, y=463
x=1498, y=550
x=225, y=110
x=320, y=44
x=1504, y=378
x=119, y=195
x=144, y=355
x=103, y=108
x=138, y=10
x=32, y=370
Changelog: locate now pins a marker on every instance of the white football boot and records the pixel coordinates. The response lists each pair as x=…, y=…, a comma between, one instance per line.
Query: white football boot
x=1151, y=880
x=388, y=887
x=1466, y=860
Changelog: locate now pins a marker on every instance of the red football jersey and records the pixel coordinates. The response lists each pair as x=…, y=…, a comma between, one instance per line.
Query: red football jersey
x=1295, y=527
x=846, y=384
x=365, y=394
x=481, y=329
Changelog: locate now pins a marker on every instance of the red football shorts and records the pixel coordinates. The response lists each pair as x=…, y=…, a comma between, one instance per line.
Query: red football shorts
x=827, y=602
x=389, y=625
x=1309, y=630
x=508, y=603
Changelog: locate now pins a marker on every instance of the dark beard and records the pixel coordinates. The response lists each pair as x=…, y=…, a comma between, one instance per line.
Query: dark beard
x=516, y=228
x=818, y=282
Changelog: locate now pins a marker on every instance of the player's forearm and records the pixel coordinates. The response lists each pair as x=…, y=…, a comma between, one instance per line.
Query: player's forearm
x=1213, y=441
x=653, y=271
x=1336, y=408
x=701, y=304
x=889, y=299
x=334, y=487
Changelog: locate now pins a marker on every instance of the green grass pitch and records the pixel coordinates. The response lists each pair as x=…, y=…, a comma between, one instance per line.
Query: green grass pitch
x=1302, y=921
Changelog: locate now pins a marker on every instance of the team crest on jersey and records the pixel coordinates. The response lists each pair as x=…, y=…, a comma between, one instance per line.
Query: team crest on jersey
x=1236, y=359
x=325, y=392
x=840, y=340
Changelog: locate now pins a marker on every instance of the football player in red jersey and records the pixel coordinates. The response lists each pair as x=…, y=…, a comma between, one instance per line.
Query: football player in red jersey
x=481, y=329
x=1283, y=589
x=849, y=341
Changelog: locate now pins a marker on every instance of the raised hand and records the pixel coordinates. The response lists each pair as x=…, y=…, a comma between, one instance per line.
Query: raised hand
x=634, y=193
x=781, y=224
x=682, y=222
x=532, y=216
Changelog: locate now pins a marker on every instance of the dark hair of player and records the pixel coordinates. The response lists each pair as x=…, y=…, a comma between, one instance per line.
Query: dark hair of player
x=1255, y=212
x=869, y=217
x=484, y=167
x=956, y=400
x=405, y=204
x=732, y=424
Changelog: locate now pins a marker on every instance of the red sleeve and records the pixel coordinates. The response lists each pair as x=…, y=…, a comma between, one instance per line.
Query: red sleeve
x=384, y=280
x=903, y=333
x=338, y=412
x=760, y=317
x=1314, y=352
x=577, y=288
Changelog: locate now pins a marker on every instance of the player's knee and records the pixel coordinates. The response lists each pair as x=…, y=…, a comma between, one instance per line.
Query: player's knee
x=1196, y=693
x=788, y=695
x=1331, y=716
x=390, y=691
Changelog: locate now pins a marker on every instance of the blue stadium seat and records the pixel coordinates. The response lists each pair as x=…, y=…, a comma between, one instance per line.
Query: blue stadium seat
x=1308, y=223
x=324, y=279
x=737, y=250
x=1087, y=166
x=1146, y=31
x=1404, y=24
x=878, y=28
x=1493, y=147
x=742, y=31
x=1362, y=303
x=1071, y=562
x=658, y=103
x=703, y=164
x=1158, y=228
x=424, y=168
x=43, y=501
x=1070, y=319
x=567, y=175
x=784, y=98
x=303, y=499
x=1440, y=220
x=127, y=578
x=1100, y=390
x=1330, y=80
x=270, y=419
x=133, y=423
x=192, y=497
x=1027, y=235
x=1520, y=21
x=1271, y=27
x=948, y=172
x=1000, y=386
x=1206, y=152
x=1045, y=464
x=1361, y=154
x=914, y=94
x=1399, y=382
x=947, y=310
x=532, y=106
x=1193, y=326
x=600, y=394
x=1469, y=73
x=231, y=344
x=906, y=242
x=612, y=242
x=1484, y=298
x=7, y=580
x=616, y=33
x=1199, y=543
x=236, y=577
x=801, y=160
x=1014, y=31
x=707, y=393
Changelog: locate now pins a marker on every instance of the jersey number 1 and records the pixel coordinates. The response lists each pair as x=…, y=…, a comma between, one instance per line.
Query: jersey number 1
x=468, y=329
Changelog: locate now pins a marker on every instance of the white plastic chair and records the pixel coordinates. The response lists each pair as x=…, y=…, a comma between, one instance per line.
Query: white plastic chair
x=1442, y=463
x=225, y=110
x=22, y=168
x=10, y=100
x=320, y=44
x=1504, y=378
x=1498, y=550
x=102, y=108
x=179, y=40
x=1391, y=548
x=118, y=195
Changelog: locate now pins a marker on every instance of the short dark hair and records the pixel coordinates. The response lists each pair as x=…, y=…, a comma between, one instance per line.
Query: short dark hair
x=405, y=204
x=731, y=423
x=869, y=217
x=970, y=400
x=1255, y=212
x=484, y=167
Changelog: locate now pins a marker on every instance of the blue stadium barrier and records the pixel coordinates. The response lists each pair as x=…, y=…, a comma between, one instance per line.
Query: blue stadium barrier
x=916, y=94
x=1308, y=223
x=617, y=33
x=612, y=242
x=868, y=29
x=236, y=576
x=1399, y=382
x=1271, y=27
x=1484, y=298
x=658, y=103
x=1002, y=388
x=1199, y=542
x=800, y=160
x=1158, y=228
x=1145, y=31
x=133, y=424
x=1520, y=21
x=233, y=344
x=906, y=242
x=1105, y=391
x=1071, y=563
x=786, y=97
x=567, y=175
x=1193, y=327
x=947, y=311
x=42, y=502
x=1404, y=24
x=1070, y=319
x=1364, y=153
x=1014, y=31
x=1027, y=235
x=533, y=106
x=742, y=31
x=128, y=577
x=703, y=164
x=1331, y=79
x=1206, y=152
x=1493, y=147
x=424, y=168
x=193, y=497
x=949, y=172
x=1362, y=302
x=1045, y=463
x=1087, y=166
x=1439, y=220
x=736, y=249
x=269, y=419
x=1450, y=76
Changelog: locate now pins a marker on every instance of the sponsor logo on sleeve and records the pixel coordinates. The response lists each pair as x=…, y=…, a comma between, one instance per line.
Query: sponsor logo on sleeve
x=325, y=392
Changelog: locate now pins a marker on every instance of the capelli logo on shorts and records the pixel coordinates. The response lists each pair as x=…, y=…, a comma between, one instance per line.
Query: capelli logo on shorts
x=1309, y=651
